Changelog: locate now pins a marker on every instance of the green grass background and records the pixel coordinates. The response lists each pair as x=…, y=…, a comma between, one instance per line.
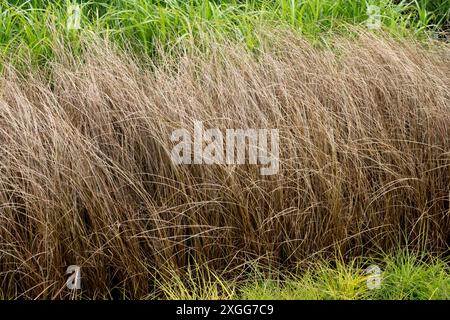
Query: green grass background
x=30, y=28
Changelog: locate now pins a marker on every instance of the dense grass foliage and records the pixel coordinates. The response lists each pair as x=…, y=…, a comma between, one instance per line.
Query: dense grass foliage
x=31, y=27
x=86, y=176
x=429, y=12
x=403, y=276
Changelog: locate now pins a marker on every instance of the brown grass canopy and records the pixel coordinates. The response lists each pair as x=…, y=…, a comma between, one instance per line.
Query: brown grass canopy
x=86, y=176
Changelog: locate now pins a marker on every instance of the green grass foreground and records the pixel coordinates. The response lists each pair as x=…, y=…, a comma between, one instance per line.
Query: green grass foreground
x=403, y=276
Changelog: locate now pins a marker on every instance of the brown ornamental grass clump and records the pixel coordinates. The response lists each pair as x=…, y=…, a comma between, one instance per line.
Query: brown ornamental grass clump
x=86, y=176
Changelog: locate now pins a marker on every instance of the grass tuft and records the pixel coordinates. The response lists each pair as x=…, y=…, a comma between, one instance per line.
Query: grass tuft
x=86, y=176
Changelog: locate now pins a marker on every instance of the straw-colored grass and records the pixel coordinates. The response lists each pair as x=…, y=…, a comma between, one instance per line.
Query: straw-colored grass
x=86, y=176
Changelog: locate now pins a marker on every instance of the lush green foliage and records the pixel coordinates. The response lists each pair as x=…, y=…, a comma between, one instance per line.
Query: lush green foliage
x=403, y=277
x=30, y=27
